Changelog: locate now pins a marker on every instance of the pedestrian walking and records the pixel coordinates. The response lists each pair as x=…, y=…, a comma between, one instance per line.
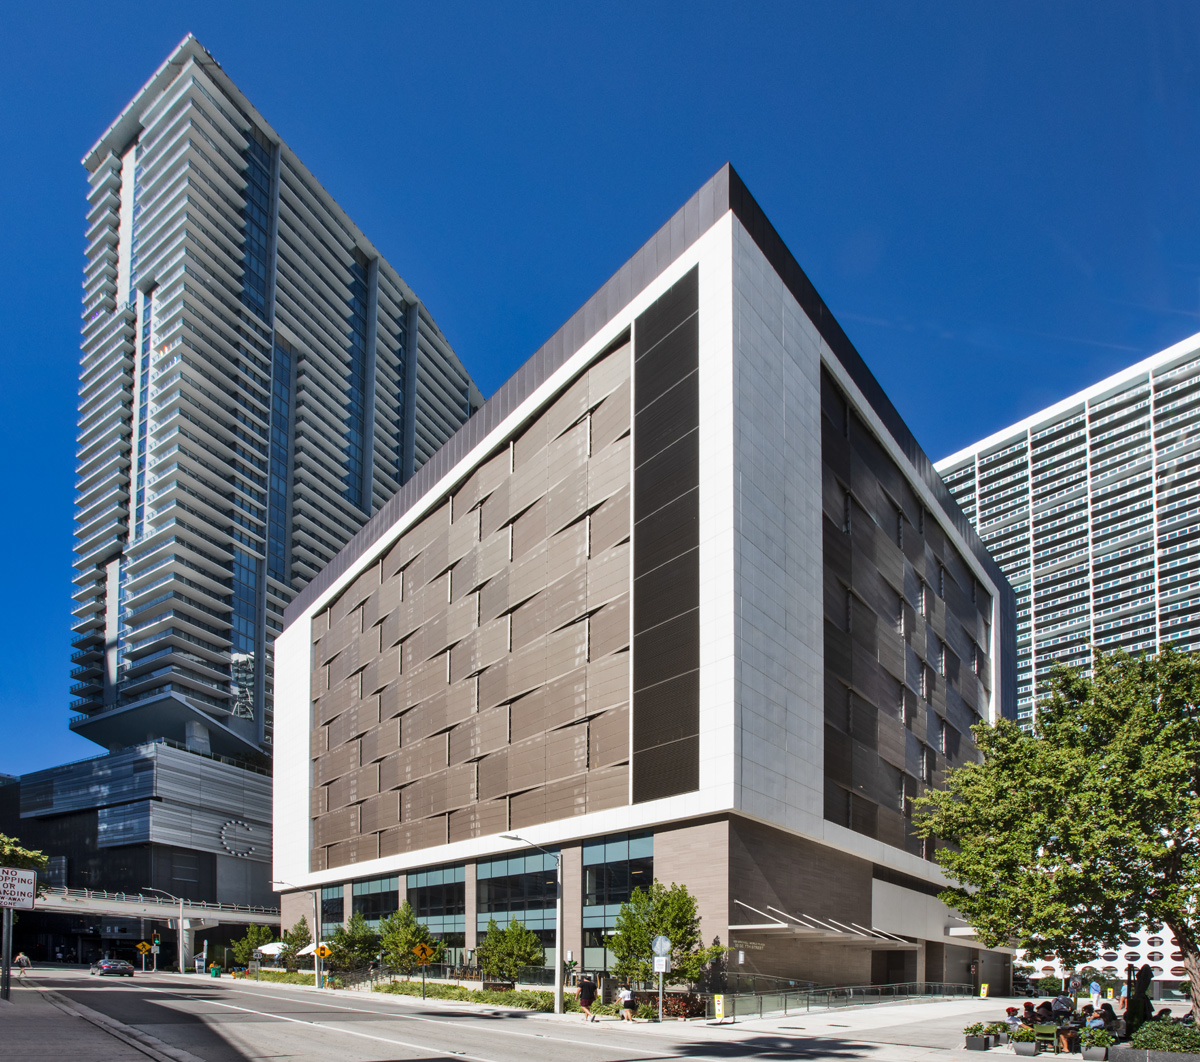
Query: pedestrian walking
x=587, y=996
x=1096, y=991
x=625, y=995
x=23, y=964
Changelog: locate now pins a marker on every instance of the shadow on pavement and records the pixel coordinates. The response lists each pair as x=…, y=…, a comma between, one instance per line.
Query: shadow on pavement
x=773, y=1047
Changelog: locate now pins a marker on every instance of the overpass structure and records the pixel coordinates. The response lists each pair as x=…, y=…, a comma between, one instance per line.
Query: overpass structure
x=183, y=915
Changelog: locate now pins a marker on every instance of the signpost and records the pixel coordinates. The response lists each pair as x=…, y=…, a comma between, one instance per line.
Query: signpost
x=661, y=946
x=18, y=888
x=424, y=954
x=322, y=952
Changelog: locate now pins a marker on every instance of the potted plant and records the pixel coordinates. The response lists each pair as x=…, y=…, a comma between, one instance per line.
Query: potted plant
x=1095, y=1044
x=976, y=1038
x=997, y=1031
x=1023, y=1040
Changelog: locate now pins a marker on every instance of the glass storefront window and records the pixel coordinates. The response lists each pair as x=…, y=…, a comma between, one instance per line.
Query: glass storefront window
x=613, y=867
x=520, y=889
x=333, y=907
x=439, y=900
x=376, y=899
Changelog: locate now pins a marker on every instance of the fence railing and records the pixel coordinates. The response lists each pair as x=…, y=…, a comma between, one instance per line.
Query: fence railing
x=744, y=1005
x=162, y=901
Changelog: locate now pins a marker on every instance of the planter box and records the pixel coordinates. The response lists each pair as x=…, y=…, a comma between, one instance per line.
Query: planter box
x=1025, y=1049
x=978, y=1043
x=1122, y=1053
x=1095, y=1054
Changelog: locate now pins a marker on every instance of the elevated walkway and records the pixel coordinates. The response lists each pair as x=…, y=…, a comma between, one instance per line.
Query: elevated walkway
x=159, y=908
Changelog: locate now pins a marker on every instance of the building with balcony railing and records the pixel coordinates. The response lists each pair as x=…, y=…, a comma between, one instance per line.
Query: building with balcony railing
x=256, y=381
x=1092, y=510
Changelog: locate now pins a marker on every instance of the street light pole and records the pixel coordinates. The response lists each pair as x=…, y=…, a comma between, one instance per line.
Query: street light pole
x=558, y=918
x=316, y=927
x=178, y=925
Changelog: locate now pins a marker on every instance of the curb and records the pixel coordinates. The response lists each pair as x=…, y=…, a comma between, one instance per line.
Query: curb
x=148, y=1045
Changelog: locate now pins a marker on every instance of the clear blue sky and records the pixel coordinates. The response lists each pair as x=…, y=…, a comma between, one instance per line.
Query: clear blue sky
x=998, y=201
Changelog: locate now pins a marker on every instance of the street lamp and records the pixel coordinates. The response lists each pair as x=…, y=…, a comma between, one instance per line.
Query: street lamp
x=558, y=918
x=178, y=925
x=316, y=927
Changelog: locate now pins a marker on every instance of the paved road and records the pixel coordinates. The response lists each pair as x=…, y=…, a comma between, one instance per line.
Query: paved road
x=222, y=1021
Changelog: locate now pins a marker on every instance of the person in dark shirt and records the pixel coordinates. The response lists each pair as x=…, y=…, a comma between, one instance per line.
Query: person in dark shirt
x=587, y=996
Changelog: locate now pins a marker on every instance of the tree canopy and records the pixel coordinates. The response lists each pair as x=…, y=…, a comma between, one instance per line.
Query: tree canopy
x=12, y=854
x=672, y=913
x=255, y=938
x=1069, y=838
x=294, y=940
x=353, y=944
x=399, y=933
x=504, y=953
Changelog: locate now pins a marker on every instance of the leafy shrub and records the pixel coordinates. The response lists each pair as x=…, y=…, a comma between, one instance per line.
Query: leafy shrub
x=1050, y=985
x=1167, y=1036
x=683, y=1005
x=523, y=1000
x=300, y=977
x=1022, y=1034
x=647, y=1011
x=1096, y=1038
x=996, y=1028
x=975, y=1029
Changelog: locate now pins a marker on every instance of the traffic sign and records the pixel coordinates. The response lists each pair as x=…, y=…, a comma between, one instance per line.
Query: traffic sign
x=662, y=964
x=143, y=947
x=18, y=888
x=660, y=945
x=423, y=952
x=323, y=951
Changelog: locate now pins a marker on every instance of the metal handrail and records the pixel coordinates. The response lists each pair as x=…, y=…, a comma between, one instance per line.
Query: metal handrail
x=210, y=905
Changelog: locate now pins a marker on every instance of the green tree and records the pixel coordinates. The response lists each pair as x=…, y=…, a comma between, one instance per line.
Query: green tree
x=12, y=854
x=672, y=913
x=399, y=933
x=1070, y=838
x=255, y=938
x=295, y=940
x=353, y=944
x=504, y=953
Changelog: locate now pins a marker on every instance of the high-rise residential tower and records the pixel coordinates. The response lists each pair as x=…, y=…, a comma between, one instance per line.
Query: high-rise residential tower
x=1092, y=510
x=256, y=381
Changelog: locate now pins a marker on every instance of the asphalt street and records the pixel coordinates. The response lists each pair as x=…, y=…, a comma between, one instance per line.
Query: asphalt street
x=196, y=1018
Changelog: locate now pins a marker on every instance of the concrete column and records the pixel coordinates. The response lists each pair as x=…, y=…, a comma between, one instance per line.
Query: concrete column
x=572, y=863
x=471, y=908
x=197, y=737
x=347, y=903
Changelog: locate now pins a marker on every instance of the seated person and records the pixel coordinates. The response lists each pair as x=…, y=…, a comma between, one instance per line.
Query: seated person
x=1028, y=1016
x=1112, y=1022
x=1012, y=1018
x=1062, y=1005
x=1163, y=1015
x=1043, y=1012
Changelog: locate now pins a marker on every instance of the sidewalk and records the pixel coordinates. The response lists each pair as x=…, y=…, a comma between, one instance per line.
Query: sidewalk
x=37, y=1022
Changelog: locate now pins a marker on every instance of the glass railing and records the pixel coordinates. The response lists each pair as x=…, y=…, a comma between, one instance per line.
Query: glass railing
x=748, y=1005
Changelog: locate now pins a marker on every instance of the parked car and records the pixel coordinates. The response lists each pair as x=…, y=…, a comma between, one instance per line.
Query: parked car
x=1022, y=986
x=112, y=968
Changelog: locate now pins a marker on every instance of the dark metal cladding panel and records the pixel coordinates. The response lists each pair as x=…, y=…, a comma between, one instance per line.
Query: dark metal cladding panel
x=666, y=638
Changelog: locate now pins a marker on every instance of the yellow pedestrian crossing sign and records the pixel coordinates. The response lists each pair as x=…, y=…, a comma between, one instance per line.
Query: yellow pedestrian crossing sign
x=323, y=951
x=424, y=953
x=143, y=947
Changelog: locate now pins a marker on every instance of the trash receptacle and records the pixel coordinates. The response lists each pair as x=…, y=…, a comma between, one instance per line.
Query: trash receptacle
x=214, y=970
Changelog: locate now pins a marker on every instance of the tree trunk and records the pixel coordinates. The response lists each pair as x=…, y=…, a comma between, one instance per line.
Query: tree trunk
x=1191, y=960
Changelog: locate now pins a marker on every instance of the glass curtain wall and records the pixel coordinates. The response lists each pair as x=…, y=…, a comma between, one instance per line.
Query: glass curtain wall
x=521, y=889
x=613, y=867
x=439, y=900
x=376, y=899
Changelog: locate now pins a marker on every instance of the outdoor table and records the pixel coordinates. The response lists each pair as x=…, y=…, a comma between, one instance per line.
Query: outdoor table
x=1068, y=1039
